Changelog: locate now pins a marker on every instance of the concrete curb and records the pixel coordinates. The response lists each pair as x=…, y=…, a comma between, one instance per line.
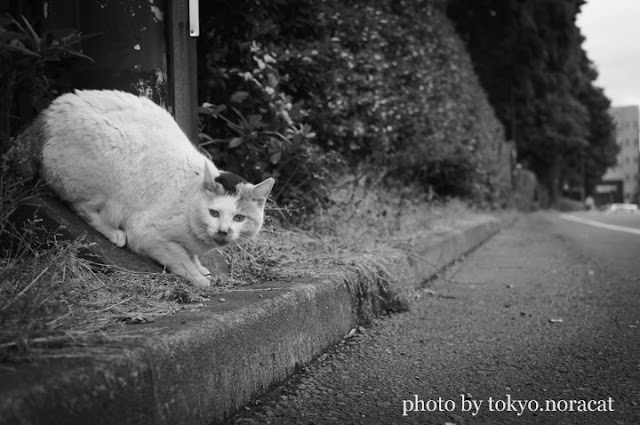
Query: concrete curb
x=199, y=367
x=429, y=256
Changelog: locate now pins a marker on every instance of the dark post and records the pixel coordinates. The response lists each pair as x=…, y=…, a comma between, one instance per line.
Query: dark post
x=130, y=52
x=183, y=82
x=145, y=48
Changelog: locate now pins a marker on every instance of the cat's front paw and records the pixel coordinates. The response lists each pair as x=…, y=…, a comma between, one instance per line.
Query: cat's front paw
x=118, y=238
x=205, y=271
x=201, y=281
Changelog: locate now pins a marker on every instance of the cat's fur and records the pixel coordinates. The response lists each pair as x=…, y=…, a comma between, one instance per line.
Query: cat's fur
x=125, y=166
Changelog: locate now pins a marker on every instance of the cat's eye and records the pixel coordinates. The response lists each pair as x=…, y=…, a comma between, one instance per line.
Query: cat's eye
x=238, y=217
x=214, y=213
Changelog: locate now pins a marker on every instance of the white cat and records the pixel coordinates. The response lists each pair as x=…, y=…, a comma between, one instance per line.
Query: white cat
x=125, y=166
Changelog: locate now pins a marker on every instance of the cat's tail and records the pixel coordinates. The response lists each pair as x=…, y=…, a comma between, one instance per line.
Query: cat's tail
x=25, y=153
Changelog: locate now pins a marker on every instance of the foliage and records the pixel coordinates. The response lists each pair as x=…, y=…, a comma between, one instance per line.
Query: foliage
x=253, y=129
x=382, y=83
x=529, y=58
x=29, y=66
x=602, y=148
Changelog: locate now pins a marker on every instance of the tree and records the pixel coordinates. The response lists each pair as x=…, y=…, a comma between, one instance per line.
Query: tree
x=529, y=58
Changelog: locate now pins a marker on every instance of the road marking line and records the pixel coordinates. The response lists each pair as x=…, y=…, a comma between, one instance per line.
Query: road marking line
x=601, y=225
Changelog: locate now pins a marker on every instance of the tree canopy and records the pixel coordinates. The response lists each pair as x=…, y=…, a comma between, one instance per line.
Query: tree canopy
x=529, y=57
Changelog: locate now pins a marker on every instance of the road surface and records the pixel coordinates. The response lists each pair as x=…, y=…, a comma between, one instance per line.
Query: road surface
x=541, y=325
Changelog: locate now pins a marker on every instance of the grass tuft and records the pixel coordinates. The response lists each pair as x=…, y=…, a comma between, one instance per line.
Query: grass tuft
x=52, y=299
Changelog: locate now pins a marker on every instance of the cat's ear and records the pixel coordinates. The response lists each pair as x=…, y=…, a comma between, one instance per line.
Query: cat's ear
x=210, y=185
x=260, y=192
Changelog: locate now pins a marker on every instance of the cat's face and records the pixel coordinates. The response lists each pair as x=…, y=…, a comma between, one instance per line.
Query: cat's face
x=231, y=208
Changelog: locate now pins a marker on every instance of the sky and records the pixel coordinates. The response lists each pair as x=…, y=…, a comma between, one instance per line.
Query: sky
x=612, y=32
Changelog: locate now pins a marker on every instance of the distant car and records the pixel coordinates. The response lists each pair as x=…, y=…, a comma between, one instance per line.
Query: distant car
x=631, y=208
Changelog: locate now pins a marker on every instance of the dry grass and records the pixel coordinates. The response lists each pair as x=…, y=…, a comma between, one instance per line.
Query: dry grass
x=57, y=299
x=50, y=298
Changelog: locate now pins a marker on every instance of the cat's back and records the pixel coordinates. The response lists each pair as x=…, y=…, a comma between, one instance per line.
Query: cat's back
x=104, y=120
x=115, y=143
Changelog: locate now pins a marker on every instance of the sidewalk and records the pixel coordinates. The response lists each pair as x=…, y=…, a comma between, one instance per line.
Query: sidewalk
x=198, y=367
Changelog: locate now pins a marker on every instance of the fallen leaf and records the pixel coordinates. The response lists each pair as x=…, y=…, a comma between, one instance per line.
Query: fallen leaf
x=351, y=333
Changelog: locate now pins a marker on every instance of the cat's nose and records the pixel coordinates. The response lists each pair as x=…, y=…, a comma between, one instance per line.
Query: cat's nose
x=220, y=237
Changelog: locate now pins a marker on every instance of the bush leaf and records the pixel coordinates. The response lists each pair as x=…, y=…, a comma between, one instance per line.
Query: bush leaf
x=235, y=142
x=275, y=157
x=239, y=96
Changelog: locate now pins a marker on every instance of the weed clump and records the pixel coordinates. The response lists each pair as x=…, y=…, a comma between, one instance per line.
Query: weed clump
x=50, y=298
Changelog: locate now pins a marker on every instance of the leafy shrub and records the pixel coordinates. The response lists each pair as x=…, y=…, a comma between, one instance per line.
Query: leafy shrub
x=30, y=65
x=399, y=92
x=251, y=127
x=30, y=69
x=381, y=82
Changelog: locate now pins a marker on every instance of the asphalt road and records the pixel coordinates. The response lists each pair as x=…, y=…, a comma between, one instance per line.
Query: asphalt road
x=541, y=325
